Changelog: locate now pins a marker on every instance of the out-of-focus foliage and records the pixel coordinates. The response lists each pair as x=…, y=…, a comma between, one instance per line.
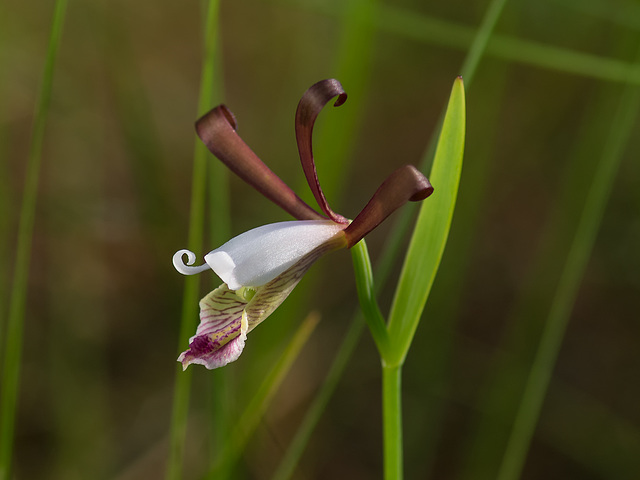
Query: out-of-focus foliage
x=104, y=302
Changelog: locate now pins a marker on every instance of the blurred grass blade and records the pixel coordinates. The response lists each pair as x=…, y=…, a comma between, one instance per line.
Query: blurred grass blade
x=335, y=139
x=221, y=385
x=194, y=243
x=303, y=434
x=431, y=231
x=138, y=129
x=507, y=47
x=260, y=402
x=576, y=263
x=423, y=28
x=497, y=401
x=468, y=70
x=15, y=322
x=6, y=190
x=479, y=44
x=625, y=14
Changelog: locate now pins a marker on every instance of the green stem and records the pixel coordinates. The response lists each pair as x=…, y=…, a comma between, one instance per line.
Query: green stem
x=392, y=421
x=391, y=374
x=15, y=323
x=366, y=294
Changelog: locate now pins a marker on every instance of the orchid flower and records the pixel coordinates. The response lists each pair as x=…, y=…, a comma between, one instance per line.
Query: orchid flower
x=261, y=267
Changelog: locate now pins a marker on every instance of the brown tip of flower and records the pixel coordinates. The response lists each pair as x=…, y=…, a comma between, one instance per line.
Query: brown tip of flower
x=217, y=130
x=228, y=114
x=311, y=103
x=403, y=185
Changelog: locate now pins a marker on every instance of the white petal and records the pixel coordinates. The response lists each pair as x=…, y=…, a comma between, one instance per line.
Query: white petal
x=260, y=255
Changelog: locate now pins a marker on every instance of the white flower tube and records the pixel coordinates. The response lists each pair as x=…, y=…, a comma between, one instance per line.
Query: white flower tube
x=260, y=255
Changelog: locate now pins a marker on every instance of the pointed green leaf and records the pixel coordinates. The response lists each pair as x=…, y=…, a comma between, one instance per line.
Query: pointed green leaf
x=431, y=231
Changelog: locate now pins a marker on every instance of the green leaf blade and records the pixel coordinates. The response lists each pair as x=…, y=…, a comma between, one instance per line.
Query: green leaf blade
x=431, y=231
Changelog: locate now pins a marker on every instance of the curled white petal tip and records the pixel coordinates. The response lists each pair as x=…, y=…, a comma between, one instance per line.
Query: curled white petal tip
x=186, y=269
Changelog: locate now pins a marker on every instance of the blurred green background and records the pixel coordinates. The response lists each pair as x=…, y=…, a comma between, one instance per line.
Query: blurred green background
x=104, y=302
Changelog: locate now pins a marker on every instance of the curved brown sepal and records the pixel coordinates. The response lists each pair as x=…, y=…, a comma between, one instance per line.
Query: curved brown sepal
x=311, y=103
x=403, y=185
x=217, y=130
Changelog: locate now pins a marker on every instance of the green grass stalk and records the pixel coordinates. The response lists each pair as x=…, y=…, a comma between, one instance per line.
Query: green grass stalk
x=191, y=296
x=391, y=374
x=17, y=305
x=574, y=268
x=219, y=232
x=221, y=384
x=423, y=28
x=366, y=295
x=303, y=434
x=480, y=40
x=6, y=193
x=506, y=373
x=137, y=127
x=335, y=139
x=250, y=419
x=392, y=421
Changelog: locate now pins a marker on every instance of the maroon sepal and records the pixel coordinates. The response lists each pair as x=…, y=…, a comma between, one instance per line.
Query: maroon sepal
x=217, y=130
x=310, y=105
x=403, y=185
